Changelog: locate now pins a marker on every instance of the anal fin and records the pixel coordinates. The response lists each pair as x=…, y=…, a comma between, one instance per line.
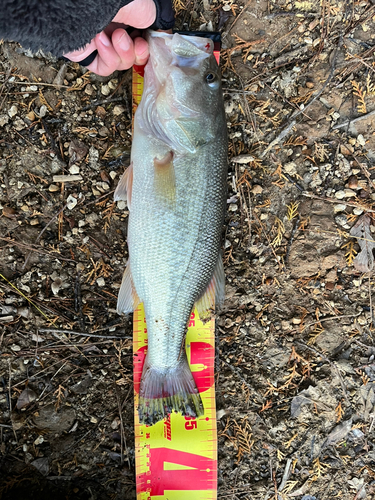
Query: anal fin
x=128, y=299
x=214, y=294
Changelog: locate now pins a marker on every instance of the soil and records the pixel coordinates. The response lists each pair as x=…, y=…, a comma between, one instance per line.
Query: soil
x=295, y=369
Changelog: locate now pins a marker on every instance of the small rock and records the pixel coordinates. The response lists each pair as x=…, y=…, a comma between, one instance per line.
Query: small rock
x=15, y=347
x=340, y=194
x=290, y=168
x=100, y=112
x=257, y=189
x=339, y=208
x=42, y=465
x=115, y=423
x=53, y=188
x=52, y=420
x=37, y=338
x=71, y=202
x=56, y=285
x=121, y=205
x=118, y=110
x=89, y=89
x=74, y=169
x=100, y=282
x=346, y=149
x=31, y=116
x=357, y=211
x=105, y=90
x=19, y=124
x=310, y=85
x=361, y=140
x=349, y=193
x=103, y=131
x=39, y=440
x=43, y=111
x=4, y=119
x=341, y=220
x=353, y=182
x=13, y=111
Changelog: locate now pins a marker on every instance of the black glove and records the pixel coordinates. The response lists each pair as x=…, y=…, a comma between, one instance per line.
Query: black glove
x=60, y=26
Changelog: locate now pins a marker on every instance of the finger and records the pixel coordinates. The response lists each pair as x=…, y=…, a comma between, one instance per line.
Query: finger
x=107, y=60
x=139, y=14
x=141, y=51
x=81, y=54
x=124, y=46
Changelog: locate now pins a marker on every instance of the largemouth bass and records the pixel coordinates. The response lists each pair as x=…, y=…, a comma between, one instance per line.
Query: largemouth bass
x=175, y=188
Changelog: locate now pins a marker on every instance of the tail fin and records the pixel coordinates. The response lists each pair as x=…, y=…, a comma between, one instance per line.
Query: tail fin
x=163, y=391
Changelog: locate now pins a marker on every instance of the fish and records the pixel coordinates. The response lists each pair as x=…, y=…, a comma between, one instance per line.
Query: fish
x=175, y=188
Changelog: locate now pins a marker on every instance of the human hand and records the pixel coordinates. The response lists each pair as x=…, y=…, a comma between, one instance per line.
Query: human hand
x=116, y=49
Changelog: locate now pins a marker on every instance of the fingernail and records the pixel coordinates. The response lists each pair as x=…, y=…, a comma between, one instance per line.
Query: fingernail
x=124, y=42
x=104, y=39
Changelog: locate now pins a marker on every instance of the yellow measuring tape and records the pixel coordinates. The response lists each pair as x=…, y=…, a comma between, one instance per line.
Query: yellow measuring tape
x=176, y=459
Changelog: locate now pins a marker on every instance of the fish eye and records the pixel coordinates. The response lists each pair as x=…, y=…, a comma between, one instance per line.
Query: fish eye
x=211, y=78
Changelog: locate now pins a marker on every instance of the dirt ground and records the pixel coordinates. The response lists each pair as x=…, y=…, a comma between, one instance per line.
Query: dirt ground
x=295, y=367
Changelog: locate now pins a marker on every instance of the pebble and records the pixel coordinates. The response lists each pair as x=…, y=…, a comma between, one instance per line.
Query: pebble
x=53, y=188
x=74, y=169
x=310, y=85
x=71, y=202
x=13, y=111
x=296, y=321
x=34, y=222
x=43, y=111
x=56, y=285
x=100, y=282
x=340, y=194
x=105, y=90
x=353, y=182
x=349, y=193
x=39, y=440
x=118, y=110
x=339, y=208
x=31, y=116
x=4, y=119
x=233, y=208
x=112, y=84
x=290, y=168
x=342, y=221
x=89, y=89
x=357, y=211
x=257, y=189
x=15, y=347
x=103, y=131
x=121, y=205
x=361, y=140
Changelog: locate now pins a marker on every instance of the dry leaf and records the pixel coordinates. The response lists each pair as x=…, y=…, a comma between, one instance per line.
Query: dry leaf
x=364, y=261
x=77, y=151
x=26, y=397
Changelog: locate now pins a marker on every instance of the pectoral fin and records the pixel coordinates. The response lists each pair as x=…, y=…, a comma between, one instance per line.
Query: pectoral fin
x=164, y=179
x=128, y=299
x=215, y=292
x=125, y=186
